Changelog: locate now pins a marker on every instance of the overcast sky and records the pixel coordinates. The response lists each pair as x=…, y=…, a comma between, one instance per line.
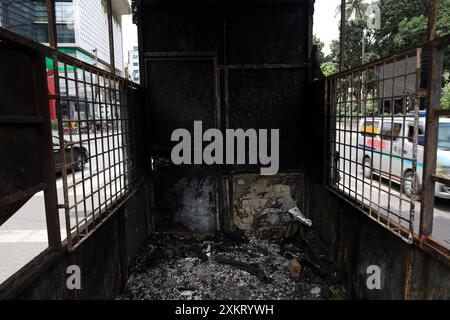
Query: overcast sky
x=325, y=26
x=129, y=32
x=326, y=23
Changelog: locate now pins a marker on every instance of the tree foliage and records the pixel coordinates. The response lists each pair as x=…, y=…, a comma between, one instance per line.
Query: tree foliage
x=321, y=57
x=403, y=26
x=328, y=68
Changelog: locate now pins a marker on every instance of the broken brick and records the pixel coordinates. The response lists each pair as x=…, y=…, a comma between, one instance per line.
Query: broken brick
x=295, y=268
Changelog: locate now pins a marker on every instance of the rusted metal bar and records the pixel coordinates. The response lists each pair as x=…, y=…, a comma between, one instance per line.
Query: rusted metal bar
x=432, y=19
x=112, y=59
x=46, y=151
x=441, y=113
x=409, y=265
x=21, y=194
x=439, y=179
x=414, y=181
x=51, y=18
x=8, y=35
x=62, y=150
x=262, y=66
x=431, y=143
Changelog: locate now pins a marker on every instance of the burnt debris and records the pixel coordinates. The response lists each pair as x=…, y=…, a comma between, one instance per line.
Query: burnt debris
x=235, y=266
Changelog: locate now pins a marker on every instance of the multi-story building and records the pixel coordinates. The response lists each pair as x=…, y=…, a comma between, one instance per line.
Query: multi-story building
x=81, y=25
x=19, y=16
x=133, y=65
x=82, y=32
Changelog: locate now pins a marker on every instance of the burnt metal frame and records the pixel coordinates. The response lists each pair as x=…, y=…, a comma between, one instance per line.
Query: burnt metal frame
x=360, y=80
x=93, y=73
x=113, y=159
x=196, y=56
x=432, y=124
x=46, y=149
x=434, y=47
x=30, y=272
x=225, y=183
x=41, y=262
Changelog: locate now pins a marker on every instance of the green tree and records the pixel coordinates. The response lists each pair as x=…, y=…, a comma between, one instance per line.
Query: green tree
x=445, y=97
x=394, y=14
x=321, y=57
x=328, y=68
x=352, y=45
x=403, y=25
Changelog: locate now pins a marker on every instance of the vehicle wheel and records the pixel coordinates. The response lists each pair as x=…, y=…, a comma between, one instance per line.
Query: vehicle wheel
x=407, y=185
x=80, y=161
x=367, y=168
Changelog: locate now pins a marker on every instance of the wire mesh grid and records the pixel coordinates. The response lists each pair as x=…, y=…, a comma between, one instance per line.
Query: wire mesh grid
x=95, y=141
x=373, y=141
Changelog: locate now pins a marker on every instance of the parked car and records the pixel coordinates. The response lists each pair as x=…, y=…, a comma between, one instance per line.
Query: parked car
x=76, y=155
x=386, y=149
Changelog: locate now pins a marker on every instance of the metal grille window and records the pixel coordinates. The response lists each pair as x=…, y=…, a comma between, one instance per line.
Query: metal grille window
x=373, y=154
x=94, y=147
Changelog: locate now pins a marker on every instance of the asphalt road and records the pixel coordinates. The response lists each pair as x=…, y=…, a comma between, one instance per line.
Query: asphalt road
x=375, y=193
x=24, y=235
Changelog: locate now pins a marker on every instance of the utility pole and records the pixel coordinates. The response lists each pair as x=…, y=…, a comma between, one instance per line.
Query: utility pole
x=112, y=59
x=342, y=37
x=363, y=56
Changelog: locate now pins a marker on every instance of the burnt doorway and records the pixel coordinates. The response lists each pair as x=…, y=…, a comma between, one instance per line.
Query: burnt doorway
x=182, y=90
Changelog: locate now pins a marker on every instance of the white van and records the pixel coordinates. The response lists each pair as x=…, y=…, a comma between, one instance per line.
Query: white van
x=386, y=146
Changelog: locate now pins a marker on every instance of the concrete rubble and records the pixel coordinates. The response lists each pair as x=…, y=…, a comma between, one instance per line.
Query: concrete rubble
x=237, y=266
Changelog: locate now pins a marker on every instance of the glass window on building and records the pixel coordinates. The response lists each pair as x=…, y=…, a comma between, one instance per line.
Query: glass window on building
x=42, y=33
x=64, y=11
x=65, y=33
x=40, y=12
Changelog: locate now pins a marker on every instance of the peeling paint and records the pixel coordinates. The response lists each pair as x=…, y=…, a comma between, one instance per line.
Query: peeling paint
x=262, y=203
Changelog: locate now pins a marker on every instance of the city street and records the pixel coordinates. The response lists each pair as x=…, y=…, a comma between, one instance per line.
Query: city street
x=375, y=192
x=24, y=235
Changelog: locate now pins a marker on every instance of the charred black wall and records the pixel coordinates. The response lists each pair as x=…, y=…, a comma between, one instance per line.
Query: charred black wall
x=103, y=258
x=230, y=64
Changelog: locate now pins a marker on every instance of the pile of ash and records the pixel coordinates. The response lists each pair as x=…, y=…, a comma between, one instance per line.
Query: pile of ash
x=236, y=266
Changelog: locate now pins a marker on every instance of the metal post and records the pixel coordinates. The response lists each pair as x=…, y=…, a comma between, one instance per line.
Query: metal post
x=51, y=200
x=432, y=19
x=342, y=38
x=432, y=126
x=48, y=163
x=52, y=37
x=112, y=59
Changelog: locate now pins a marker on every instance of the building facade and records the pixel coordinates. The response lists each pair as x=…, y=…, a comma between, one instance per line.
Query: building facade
x=81, y=25
x=133, y=73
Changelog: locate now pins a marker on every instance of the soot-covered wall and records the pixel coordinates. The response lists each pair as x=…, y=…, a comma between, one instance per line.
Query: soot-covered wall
x=230, y=64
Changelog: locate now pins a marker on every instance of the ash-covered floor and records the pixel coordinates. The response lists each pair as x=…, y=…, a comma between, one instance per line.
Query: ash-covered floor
x=235, y=266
